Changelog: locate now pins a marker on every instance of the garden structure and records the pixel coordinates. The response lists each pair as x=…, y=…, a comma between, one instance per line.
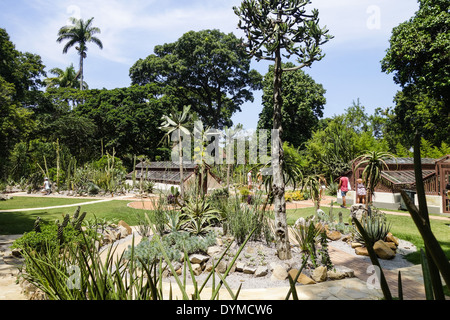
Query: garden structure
x=166, y=174
x=399, y=175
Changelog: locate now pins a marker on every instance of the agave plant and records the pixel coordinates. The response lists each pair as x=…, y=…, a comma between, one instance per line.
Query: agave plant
x=376, y=227
x=199, y=215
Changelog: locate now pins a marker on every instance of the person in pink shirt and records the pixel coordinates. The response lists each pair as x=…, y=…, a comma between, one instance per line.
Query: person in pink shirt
x=343, y=186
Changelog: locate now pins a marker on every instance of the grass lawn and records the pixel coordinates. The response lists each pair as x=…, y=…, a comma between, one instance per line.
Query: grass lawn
x=23, y=221
x=38, y=202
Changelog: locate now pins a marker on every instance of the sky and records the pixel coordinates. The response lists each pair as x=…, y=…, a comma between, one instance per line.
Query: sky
x=130, y=29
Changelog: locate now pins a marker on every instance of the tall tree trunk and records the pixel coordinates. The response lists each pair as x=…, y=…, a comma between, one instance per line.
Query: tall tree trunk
x=81, y=70
x=281, y=230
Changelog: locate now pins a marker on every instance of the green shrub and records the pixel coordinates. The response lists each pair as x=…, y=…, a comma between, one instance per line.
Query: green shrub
x=241, y=219
x=52, y=235
x=48, y=238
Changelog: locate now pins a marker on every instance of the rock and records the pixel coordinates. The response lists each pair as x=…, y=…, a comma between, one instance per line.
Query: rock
x=304, y=279
x=293, y=273
x=356, y=245
x=350, y=273
x=335, y=275
x=126, y=226
x=361, y=251
x=334, y=235
x=240, y=266
x=319, y=274
x=346, y=237
x=249, y=269
x=390, y=238
x=213, y=250
x=261, y=271
x=197, y=269
x=358, y=211
x=279, y=273
x=122, y=232
x=198, y=258
x=221, y=267
x=391, y=245
x=383, y=251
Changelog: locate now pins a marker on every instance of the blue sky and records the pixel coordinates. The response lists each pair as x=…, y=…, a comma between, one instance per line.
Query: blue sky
x=351, y=69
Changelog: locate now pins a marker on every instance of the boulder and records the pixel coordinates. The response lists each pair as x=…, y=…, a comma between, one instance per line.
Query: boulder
x=319, y=274
x=122, y=232
x=390, y=238
x=126, y=226
x=361, y=251
x=334, y=235
x=240, y=266
x=249, y=269
x=350, y=273
x=356, y=245
x=279, y=273
x=335, y=275
x=261, y=271
x=358, y=211
x=198, y=258
x=213, y=250
x=383, y=251
x=221, y=267
x=197, y=269
x=304, y=279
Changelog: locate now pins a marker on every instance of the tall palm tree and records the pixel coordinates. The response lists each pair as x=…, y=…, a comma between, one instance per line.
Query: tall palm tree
x=80, y=33
x=64, y=78
x=374, y=162
x=174, y=122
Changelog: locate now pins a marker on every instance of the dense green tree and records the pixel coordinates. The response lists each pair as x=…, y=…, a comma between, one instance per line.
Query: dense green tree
x=126, y=119
x=20, y=81
x=208, y=70
x=79, y=33
x=303, y=103
x=415, y=109
x=418, y=57
x=273, y=29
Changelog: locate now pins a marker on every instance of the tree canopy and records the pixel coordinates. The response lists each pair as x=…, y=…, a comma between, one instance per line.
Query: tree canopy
x=418, y=57
x=208, y=70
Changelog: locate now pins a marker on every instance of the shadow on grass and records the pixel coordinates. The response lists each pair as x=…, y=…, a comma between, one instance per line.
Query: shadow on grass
x=17, y=222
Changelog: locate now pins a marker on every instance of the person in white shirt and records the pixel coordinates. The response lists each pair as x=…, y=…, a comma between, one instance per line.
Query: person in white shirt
x=47, y=187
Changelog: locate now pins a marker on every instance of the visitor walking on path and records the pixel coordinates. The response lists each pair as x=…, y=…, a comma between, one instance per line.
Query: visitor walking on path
x=344, y=187
x=47, y=187
x=249, y=179
x=323, y=186
x=360, y=191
